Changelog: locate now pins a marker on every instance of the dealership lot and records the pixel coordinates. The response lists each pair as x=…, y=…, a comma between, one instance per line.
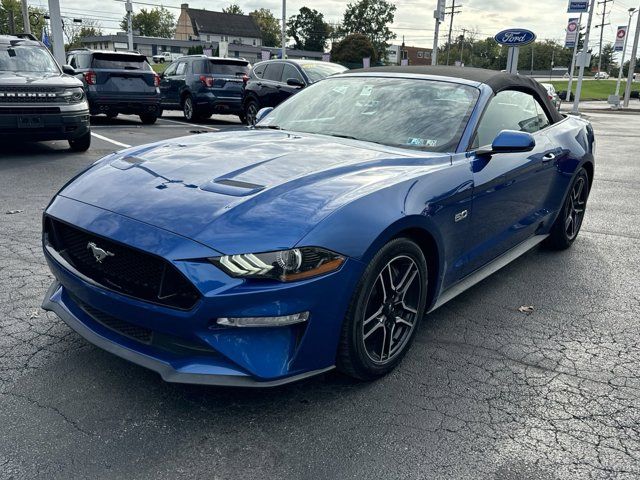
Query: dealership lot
x=487, y=391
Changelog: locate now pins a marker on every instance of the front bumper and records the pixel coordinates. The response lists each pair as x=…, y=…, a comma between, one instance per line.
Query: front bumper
x=188, y=346
x=46, y=122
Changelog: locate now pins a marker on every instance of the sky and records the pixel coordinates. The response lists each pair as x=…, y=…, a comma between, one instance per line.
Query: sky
x=413, y=19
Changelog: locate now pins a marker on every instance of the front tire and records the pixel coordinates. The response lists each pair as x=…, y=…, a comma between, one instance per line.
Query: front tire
x=250, y=112
x=567, y=226
x=81, y=144
x=385, y=311
x=189, y=108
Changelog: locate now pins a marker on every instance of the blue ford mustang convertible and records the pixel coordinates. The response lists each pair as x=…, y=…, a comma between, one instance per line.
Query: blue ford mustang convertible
x=321, y=237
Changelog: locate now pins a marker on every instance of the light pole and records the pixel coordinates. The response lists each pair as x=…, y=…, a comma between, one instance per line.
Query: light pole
x=632, y=65
x=632, y=12
x=573, y=59
x=585, y=52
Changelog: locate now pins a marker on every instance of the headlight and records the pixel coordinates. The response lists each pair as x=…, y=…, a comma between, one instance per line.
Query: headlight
x=73, y=95
x=283, y=265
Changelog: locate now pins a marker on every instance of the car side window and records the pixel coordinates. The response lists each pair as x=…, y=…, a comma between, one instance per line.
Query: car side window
x=83, y=60
x=290, y=71
x=180, y=68
x=71, y=60
x=171, y=69
x=258, y=70
x=273, y=72
x=510, y=110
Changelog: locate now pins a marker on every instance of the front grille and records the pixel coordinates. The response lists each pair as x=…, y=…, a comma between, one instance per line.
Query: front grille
x=28, y=110
x=134, y=332
x=123, y=269
x=14, y=94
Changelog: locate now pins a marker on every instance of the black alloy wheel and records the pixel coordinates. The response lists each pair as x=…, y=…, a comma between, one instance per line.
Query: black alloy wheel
x=385, y=311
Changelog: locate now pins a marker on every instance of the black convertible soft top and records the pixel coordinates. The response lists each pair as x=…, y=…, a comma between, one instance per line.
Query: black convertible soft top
x=498, y=81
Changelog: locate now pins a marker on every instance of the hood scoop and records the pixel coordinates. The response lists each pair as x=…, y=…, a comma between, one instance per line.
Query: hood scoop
x=232, y=187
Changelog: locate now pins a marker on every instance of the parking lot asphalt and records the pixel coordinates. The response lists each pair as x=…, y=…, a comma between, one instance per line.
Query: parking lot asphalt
x=485, y=392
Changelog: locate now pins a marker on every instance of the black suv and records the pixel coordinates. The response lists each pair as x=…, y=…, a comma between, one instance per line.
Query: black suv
x=38, y=101
x=201, y=86
x=273, y=81
x=118, y=82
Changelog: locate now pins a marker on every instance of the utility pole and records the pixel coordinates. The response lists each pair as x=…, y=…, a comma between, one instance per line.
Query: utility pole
x=25, y=17
x=602, y=25
x=464, y=31
x=57, y=38
x=452, y=11
x=573, y=60
x=632, y=65
x=439, y=16
x=632, y=11
x=284, y=29
x=129, y=8
x=585, y=52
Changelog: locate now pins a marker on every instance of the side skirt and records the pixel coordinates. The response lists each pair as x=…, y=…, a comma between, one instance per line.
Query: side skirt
x=489, y=269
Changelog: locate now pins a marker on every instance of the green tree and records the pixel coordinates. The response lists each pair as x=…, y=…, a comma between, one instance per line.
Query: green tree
x=233, y=8
x=87, y=29
x=352, y=49
x=269, y=26
x=607, y=58
x=36, y=17
x=309, y=30
x=158, y=22
x=371, y=18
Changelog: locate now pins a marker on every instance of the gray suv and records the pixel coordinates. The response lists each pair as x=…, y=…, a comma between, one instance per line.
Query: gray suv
x=38, y=100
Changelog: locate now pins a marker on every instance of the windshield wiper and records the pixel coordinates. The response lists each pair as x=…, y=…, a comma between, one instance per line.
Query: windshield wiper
x=339, y=135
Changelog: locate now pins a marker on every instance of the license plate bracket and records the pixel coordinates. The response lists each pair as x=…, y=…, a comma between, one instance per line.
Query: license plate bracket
x=30, y=121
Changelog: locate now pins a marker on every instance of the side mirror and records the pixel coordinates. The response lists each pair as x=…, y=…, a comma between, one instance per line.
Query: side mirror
x=68, y=69
x=263, y=112
x=295, y=82
x=510, y=141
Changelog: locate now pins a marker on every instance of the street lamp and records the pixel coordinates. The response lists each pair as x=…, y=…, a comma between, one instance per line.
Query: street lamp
x=632, y=12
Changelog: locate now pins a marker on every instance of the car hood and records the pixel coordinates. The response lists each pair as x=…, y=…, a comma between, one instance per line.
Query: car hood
x=240, y=191
x=38, y=79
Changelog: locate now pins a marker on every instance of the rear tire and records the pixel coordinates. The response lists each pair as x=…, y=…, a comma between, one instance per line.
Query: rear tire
x=385, y=311
x=148, y=118
x=81, y=144
x=567, y=226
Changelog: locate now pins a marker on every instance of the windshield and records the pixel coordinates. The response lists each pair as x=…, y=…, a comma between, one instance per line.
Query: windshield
x=318, y=71
x=120, y=62
x=407, y=113
x=27, y=58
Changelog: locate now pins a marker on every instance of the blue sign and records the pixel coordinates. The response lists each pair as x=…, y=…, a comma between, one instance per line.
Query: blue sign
x=515, y=37
x=578, y=6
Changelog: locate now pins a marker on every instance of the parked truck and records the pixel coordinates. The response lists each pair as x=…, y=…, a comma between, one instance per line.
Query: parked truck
x=166, y=57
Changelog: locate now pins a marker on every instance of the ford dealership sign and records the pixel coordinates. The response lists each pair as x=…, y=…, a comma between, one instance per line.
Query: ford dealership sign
x=515, y=37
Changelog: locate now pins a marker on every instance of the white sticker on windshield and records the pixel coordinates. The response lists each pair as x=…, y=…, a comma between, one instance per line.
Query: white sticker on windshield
x=342, y=89
x=366, y=90
x=422, y=142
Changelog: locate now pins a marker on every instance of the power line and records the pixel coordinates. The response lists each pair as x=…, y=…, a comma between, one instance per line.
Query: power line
x=602, y=25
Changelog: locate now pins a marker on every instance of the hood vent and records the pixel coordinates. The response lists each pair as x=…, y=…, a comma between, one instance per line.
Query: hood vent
x=229, y=186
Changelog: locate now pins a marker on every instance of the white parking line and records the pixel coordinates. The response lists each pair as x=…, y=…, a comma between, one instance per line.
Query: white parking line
x=190, y=124
x=115, y=142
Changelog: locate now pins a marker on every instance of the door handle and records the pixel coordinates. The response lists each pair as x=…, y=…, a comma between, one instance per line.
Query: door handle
x=548, y=157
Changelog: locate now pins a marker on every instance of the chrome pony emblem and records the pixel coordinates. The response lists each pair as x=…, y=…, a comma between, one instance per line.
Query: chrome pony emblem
x=98, y=253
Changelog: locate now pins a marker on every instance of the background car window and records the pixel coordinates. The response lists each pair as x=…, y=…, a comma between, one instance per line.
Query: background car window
x=71, y=60
x=199, y=67
x=509, y=110
x=318, y=70
x=543, y=119
x=120, y=62
x=258, y=70
x=180, y=69
x=290, y=71
x=171, y=69
x=83, y=60
x=406, y=113
x=273, y=72
x=229, y=68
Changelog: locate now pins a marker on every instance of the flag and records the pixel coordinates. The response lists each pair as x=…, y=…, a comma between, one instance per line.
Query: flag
x=45, y=38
